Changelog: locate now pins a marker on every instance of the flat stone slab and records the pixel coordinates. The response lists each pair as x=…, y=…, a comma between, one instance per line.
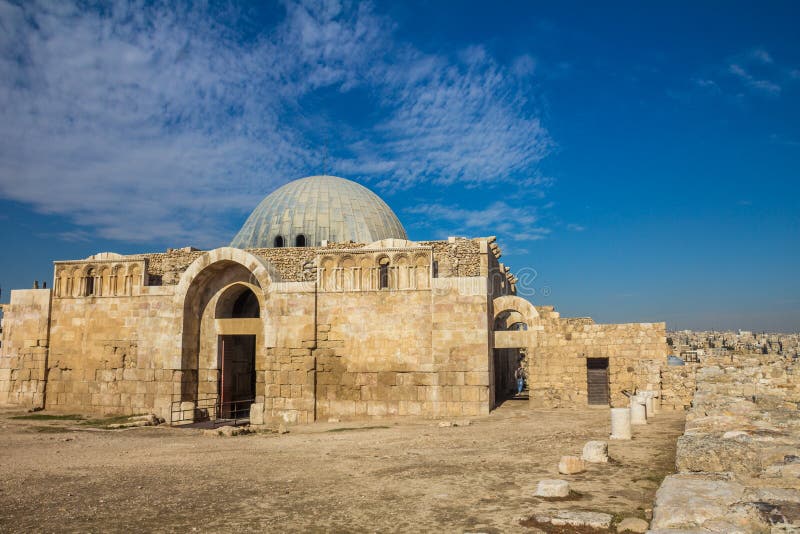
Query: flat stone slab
x=689, y=501
x=577, y=518
x=552, y=488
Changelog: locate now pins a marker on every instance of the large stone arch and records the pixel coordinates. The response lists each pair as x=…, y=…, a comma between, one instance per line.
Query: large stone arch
x=519, y=305
x=196, y=295
x=510, y=347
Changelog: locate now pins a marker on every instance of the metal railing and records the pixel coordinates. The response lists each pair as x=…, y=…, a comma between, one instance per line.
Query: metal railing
x=210, y=409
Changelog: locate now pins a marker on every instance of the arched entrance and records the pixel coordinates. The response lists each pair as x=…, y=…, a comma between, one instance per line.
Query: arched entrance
x=223, y=295
x=516, y=324
x=508, y=359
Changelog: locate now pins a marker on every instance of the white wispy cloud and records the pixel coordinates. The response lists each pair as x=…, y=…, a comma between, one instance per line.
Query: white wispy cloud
x=761, y=55
x=513, y=223
x=751, y=81
x=157, y=121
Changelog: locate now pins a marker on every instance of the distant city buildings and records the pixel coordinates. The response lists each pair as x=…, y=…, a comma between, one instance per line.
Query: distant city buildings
x=692, y=346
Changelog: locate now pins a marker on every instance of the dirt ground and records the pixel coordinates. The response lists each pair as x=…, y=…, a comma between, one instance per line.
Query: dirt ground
x=58, y=476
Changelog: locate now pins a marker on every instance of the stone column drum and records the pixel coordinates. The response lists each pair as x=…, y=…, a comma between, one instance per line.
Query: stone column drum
x=638, y=411
x=655, y=399
x=620, y=423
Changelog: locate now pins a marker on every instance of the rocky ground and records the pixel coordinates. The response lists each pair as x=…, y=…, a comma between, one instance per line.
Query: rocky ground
x=410, y=476
x=739, y=460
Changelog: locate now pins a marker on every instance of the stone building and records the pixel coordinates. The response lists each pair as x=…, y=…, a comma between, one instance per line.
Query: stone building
x=321, y=309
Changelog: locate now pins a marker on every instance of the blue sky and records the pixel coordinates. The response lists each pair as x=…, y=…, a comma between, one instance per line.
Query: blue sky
x=637, y=161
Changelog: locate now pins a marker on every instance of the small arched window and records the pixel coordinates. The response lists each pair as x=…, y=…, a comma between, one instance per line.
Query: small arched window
x=300, y=241
x=383, y=282
x=278, y=242
x=90, y=282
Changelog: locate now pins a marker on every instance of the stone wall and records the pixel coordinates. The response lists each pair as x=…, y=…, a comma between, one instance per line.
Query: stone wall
x=113, y=355
x=412, y=336
x=458, y=257
x=737, y=462
x=557, y=373
x=23, y=361
x=677, y=386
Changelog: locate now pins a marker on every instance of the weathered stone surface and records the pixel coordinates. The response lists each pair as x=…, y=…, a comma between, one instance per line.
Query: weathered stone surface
x=570, y=465
x=638, y=412
x=552, y=488
x=595, y=452
x=633, y=524
x=227, y=431
x=737, y=457
x=620, y=423
x=711, y=453
x=690, y=501
x=577, y=518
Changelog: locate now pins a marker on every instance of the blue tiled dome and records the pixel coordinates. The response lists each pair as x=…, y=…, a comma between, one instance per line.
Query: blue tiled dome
x=306, y=211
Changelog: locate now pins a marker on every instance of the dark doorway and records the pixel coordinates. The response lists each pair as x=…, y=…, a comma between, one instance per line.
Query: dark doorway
x=597, y=380
x=237, y=376
x=506, y=362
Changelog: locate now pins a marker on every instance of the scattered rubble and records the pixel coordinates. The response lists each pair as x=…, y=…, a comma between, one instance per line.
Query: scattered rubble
x=228, y=431
x=138, y=421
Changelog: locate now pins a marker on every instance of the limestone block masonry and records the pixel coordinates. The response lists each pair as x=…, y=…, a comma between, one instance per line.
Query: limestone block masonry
x=737, y=461
x=293, y=335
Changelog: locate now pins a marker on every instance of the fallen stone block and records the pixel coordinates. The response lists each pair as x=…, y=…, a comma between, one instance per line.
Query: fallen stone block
x=552, y=488
x=570, y=465
x=595, y=452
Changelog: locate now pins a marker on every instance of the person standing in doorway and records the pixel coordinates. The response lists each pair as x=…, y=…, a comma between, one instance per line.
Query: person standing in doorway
x=519, y=374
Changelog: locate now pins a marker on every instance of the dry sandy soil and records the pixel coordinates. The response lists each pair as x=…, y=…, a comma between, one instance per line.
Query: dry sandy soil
x=391, y=476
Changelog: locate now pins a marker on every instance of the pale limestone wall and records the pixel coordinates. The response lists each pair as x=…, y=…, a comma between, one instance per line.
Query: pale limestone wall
x=413, y=352
x=113, y=354
x=286, y=378
x=23, y=361
x=557, y=366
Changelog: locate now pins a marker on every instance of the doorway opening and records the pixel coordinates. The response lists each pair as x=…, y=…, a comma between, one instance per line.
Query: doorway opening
x=237, y=375
x=597, y=380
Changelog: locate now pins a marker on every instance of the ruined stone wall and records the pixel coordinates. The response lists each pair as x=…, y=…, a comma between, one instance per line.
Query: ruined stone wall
x=459, y=257
x=737, y=462
x=677, y=386
x=166, y=268
x=557, y=374
x=23, y=360
x=456, y=257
